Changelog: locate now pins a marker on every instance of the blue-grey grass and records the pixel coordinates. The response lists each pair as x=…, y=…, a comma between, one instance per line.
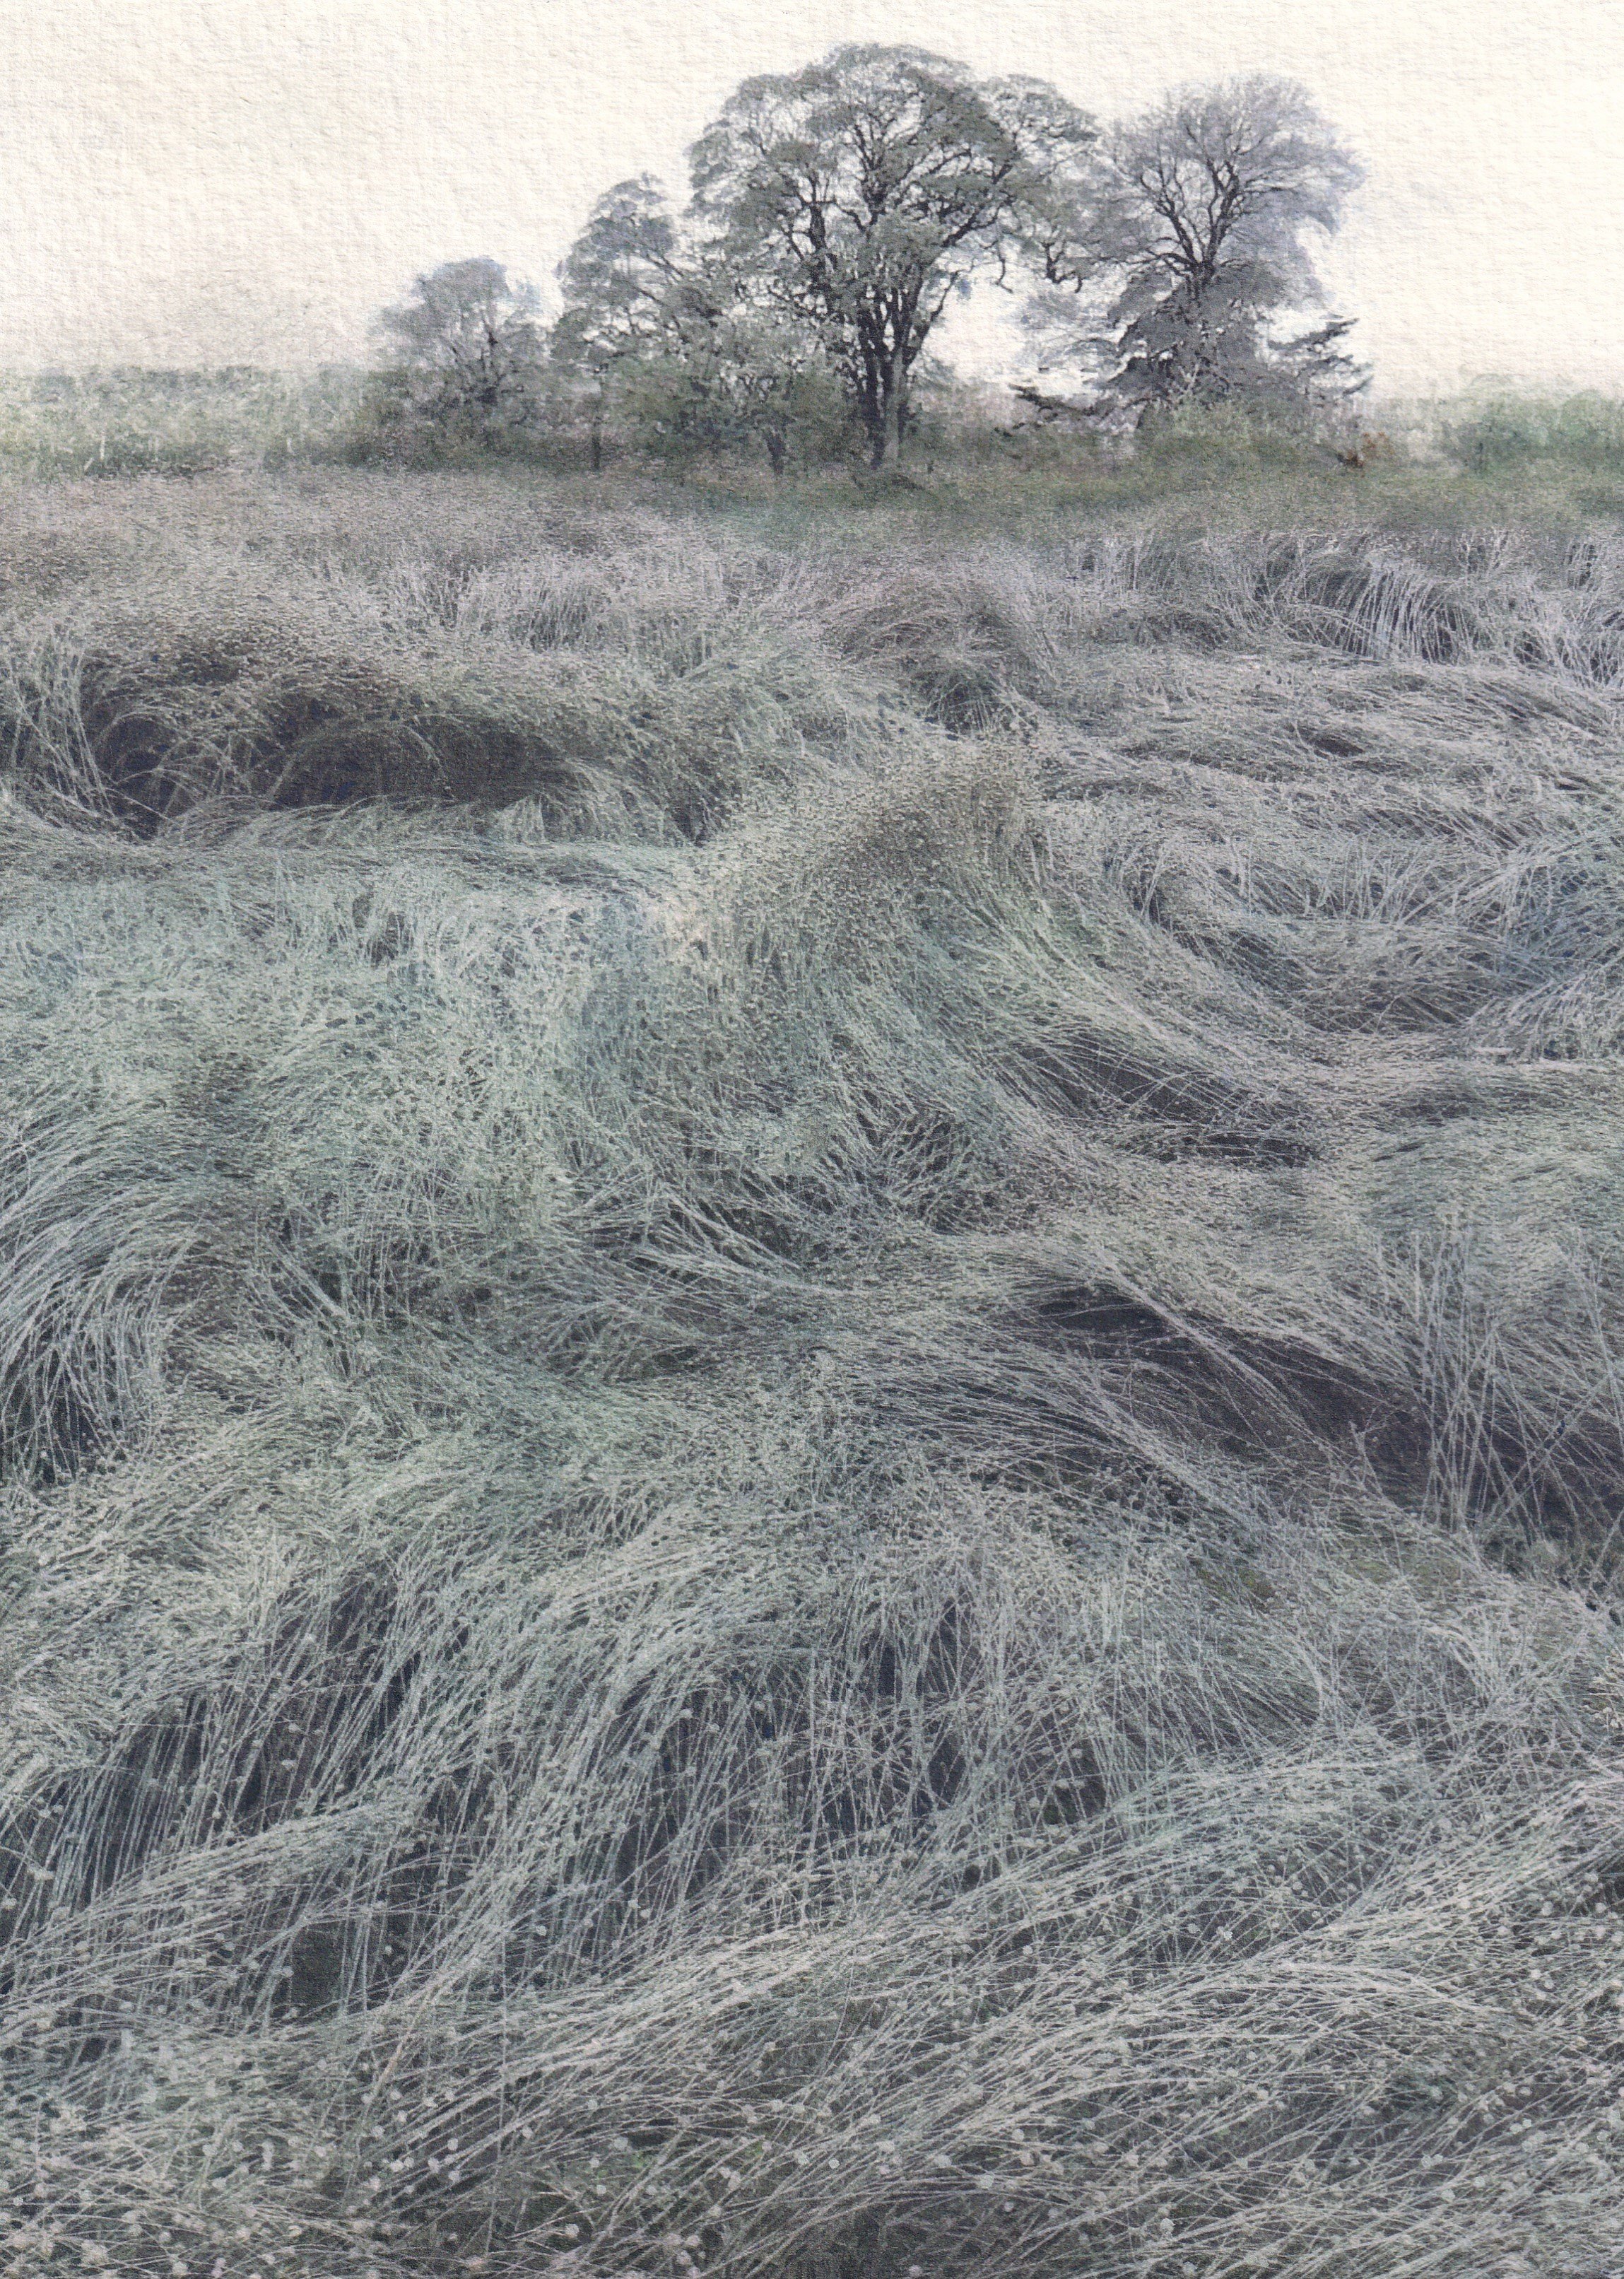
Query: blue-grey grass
x=809, y=1376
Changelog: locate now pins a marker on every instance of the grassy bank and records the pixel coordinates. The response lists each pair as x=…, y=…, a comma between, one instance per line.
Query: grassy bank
x=810, y=1383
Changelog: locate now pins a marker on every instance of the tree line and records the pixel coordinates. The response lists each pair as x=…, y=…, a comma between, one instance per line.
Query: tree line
x=833, y=215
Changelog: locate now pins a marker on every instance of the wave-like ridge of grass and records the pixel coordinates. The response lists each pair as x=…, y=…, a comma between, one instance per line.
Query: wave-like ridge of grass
x=810, y=1396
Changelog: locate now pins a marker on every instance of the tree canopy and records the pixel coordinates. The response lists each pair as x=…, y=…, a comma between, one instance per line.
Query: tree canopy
x=467, y=342
x=623, y=281
x=656, y=323
x=857, y=195
x=836, y=210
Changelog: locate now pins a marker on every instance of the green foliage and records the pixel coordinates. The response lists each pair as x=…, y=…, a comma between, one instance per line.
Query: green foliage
x=981, y=461
x=466, y=348
x=1511, y=431
x=661, y=347
x=737, y=389
x=625, y=298
x=1248, y=439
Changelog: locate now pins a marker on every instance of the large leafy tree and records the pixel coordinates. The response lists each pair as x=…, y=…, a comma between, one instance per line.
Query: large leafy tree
x=857, y=195
x=1199, y=235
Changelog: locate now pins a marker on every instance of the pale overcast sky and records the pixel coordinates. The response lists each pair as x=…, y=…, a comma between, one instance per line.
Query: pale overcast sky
x=246, y=181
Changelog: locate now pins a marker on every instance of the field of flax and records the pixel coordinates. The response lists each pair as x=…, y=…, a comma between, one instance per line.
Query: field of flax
x=811, y=1391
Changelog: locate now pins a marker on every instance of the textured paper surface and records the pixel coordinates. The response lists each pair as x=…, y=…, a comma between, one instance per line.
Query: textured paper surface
x=210, y=181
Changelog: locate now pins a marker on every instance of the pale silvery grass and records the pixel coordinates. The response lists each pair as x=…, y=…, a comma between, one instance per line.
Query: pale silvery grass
x=827, y=1484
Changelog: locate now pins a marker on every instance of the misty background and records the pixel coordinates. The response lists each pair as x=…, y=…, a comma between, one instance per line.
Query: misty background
x=205, y=182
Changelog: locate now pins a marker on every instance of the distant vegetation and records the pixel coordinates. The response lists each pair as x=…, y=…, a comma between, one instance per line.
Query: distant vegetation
x=787, y=318
x=1502, y=434
x=834, y=215
x=135, y=420
x=981, y=451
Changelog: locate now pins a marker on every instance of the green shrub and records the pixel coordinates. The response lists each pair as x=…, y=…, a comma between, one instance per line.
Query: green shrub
x=1509, y=432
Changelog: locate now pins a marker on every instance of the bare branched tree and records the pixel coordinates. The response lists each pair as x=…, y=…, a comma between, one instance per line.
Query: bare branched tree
x=1199, y=240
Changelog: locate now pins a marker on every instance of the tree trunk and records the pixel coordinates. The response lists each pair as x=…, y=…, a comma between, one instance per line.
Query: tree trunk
x=775, y=450
x=888, y=443
x=893, y=420
x=595, y=442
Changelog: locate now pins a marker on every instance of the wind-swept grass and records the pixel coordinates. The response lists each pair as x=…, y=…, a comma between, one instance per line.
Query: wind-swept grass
x=810, y=1392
